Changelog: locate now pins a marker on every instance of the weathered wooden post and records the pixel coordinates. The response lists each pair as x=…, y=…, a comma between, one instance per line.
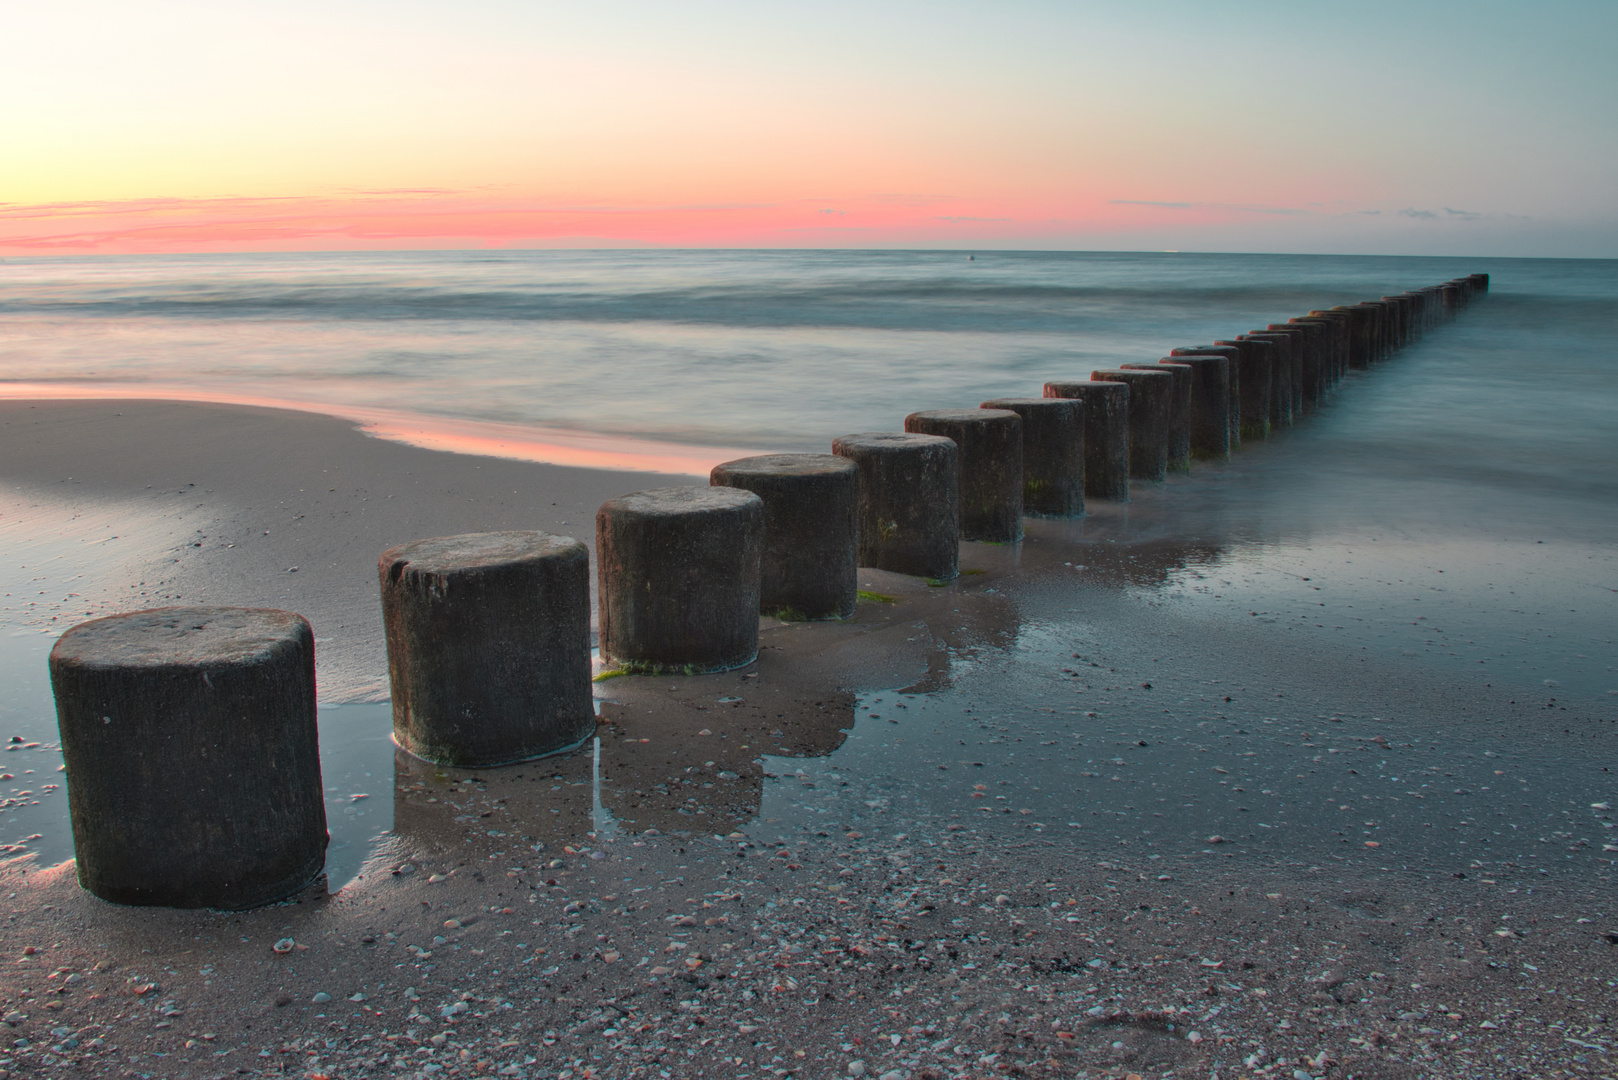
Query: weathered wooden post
x=1179, y=410
x=1209, y=421
x=1052, y=453
x=1286, y=400
x=678, y=569
x=1256, y=360
x=1149, y=396
x=1311, y=346
x=488, y=646
x=1233, y=376
x=990, y=462
x=1106, y=435
x=192, y=755
x=809, y=564
x=910, y=518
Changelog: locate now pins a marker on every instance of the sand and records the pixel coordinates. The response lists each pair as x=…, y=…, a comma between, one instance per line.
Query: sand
x=519, y=924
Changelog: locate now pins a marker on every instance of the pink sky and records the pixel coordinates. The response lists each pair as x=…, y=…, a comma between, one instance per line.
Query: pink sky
x=178, y=126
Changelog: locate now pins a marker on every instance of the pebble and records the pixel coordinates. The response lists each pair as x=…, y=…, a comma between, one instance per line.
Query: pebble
x=856, y=1068
x=320, y=998
x=285, y=945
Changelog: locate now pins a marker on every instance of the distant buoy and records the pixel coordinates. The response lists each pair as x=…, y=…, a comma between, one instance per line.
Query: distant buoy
x=971, y=258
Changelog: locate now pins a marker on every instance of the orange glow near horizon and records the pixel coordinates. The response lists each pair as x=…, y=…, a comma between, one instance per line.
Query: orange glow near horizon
x=434, y=220
x=182, y=126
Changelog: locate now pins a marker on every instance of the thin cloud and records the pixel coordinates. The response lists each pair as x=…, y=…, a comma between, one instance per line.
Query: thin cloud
x=1240, y=208
x=1424, y=215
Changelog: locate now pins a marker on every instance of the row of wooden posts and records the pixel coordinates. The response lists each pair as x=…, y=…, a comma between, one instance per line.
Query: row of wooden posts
x=189, y=734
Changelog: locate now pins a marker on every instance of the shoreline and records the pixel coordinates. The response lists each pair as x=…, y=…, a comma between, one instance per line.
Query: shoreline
x=724, y=925
x=532, y=443
x=241, y=495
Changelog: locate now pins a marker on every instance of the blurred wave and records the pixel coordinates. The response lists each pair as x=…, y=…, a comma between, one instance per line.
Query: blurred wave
x=761, y=349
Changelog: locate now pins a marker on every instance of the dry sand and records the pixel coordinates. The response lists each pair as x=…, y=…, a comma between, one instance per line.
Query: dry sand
x=500, y=932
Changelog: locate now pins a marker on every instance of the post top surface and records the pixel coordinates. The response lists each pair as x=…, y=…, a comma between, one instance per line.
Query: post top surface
x=1116, y=374
x=1203, y=350
x=1078, y=389
x=980, y=416
x=676, y=501
x=180, y=637
x=1194, y=359
x=1015, y=403
x=891, y=440
x=468, y=551
x=786, y=465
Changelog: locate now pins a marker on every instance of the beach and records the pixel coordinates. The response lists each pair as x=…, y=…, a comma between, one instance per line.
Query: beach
x=1112, y=803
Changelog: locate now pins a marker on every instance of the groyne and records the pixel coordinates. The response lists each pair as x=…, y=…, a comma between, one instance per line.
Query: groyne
x=685, y=574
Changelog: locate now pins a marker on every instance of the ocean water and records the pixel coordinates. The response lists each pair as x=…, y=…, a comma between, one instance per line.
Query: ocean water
x=767, y=350
x=1430, y=554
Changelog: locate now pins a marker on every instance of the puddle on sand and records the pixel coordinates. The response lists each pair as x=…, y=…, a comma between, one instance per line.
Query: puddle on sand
x=356, y=764
x=1078, y=692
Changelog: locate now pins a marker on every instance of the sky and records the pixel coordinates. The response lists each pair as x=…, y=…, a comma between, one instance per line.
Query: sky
x=1478, y=128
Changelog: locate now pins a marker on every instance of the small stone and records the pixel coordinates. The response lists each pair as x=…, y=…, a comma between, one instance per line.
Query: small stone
x=892, y=1074
x=285, y=945
x=452, y=924
x=320, y=998
x=1002, y=900
x=856, y=1068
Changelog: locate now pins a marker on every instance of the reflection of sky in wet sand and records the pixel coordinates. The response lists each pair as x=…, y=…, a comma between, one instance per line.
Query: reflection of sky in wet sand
x=1102, y=686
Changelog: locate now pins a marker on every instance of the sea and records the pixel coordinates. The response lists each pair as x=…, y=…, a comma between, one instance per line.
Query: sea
x=1449, y=519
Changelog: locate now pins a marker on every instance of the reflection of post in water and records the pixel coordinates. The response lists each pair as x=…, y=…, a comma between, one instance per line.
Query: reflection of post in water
x=1112, y=555
x=544, y=801
x=688, y=762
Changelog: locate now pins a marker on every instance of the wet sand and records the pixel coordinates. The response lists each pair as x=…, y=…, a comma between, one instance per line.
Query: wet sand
x=1052, y=820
